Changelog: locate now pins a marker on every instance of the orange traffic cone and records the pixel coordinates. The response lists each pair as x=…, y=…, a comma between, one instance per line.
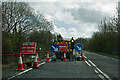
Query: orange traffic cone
x=20, y=63
x=47, y=59
x=37, y=57
x=64, y=56
x=35, y=65
x=83, y=58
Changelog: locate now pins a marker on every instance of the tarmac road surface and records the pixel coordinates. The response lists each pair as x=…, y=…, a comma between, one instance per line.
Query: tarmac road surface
x=94, y=67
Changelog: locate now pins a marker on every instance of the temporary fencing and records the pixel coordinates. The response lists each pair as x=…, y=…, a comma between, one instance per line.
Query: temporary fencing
x=9, y=54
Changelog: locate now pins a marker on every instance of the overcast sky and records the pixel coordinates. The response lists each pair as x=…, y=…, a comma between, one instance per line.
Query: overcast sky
x=75, y=18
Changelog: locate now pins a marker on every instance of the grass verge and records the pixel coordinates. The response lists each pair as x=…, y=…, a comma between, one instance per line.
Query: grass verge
x=105, y=54
x=12, y=61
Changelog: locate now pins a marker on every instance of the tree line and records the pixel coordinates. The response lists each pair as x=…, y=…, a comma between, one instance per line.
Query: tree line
x=20, y=23
x=106, y=40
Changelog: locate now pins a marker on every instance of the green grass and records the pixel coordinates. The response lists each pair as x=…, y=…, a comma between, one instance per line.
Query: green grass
x=105, y=54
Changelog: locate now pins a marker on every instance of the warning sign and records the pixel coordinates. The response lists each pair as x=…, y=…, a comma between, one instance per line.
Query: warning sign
x=28, y=48
x=62, y=47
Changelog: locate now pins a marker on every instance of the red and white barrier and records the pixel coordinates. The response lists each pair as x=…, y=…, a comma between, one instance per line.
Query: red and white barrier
x=47, y=59
x=64, y=56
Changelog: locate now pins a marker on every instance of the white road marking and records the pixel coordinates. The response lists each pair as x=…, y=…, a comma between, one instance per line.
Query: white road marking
x=25, y=71
x=104, y=74
x=88, y=63
x=92, y=63
x=96, y=71
x=101, y=76
x=41, y=63
x=107, y=76
x=11, y=77
x=100, y=70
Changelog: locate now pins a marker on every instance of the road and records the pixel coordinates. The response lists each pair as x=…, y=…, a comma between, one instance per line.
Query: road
x=95, y=66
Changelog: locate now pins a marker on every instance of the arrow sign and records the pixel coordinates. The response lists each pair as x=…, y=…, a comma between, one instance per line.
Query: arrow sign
x=78, y=47
x=54, y=48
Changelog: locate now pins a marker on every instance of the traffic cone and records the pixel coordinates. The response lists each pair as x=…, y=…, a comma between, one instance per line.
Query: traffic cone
x=64, y=56
x=35, y=65
x=37, y=57
x=20, y=63
x=47, y=59
x=83, y=58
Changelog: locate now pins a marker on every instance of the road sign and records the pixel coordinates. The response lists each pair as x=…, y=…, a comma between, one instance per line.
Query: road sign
x=63, y=47
x=54, y=48
x=28, y=48
x=78, y=47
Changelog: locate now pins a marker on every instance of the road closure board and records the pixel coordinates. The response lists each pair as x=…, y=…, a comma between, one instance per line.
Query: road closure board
x=78, y=47
x=62, y=47
x=28, y=48
x=54, y=48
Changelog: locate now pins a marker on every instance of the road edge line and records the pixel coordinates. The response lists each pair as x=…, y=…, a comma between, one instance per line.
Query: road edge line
x=41, y=63
x=92, y=63
x=100, y=70
x=87, y=63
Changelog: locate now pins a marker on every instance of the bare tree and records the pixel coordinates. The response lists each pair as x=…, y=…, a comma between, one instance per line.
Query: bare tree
x=16, y=17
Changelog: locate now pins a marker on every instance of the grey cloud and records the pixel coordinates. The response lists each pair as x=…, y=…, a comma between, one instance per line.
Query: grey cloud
x=86, y=15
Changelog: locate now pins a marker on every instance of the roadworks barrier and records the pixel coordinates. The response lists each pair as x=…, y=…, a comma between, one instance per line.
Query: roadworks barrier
x=20, y=63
